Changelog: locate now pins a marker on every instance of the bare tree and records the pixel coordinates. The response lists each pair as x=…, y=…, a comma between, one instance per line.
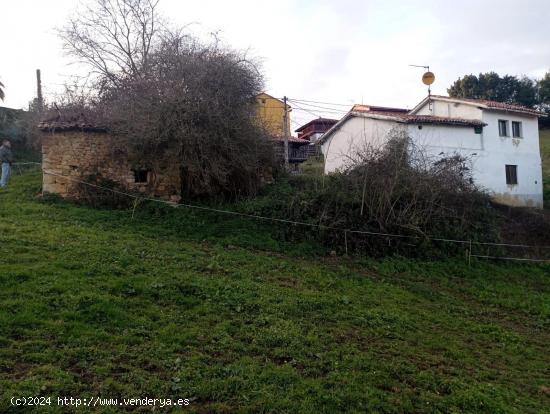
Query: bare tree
x=196, y=107
x=173, y=98
x=2, y=94
x=114, y=37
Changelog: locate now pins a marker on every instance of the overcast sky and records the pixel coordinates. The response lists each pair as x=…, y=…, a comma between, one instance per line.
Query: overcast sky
x=345, y=51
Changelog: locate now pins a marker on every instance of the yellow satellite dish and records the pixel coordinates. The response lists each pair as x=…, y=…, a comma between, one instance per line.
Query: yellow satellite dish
x=428, y=78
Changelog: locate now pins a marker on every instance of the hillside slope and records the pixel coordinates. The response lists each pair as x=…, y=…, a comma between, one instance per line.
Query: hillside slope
x=94, y=303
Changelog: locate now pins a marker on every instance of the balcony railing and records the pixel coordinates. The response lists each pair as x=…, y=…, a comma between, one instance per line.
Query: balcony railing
x=297, y=154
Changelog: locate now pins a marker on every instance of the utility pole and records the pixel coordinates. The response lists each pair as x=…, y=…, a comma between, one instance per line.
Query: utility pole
x=286, y=132
x=39, y=98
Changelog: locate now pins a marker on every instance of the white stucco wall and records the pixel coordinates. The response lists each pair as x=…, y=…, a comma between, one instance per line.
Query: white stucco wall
x=488, y=153
x=523, y=152
x=451, y=109
x=354, y=134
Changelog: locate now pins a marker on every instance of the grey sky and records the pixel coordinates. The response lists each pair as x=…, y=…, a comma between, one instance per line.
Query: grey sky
x=335, y=51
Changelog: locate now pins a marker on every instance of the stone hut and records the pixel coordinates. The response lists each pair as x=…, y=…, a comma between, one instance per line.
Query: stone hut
x=75, y=150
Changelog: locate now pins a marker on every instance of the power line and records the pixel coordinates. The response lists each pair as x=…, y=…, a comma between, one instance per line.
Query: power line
x=308, y=111
x=322, y=107
x=319, y=102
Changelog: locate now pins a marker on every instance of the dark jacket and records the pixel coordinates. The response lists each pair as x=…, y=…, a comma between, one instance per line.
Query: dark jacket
x=5, y=155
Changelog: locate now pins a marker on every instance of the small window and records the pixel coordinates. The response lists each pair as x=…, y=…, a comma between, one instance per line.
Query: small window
x=516, y=129
x=141, y=176
x=502, y=128
x=478, y=129
x=511, y=174
x=263, y=101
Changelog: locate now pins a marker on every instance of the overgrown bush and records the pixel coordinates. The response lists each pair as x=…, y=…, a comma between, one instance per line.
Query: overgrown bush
x=176, y=99
x=102, y=192
x=396, y=189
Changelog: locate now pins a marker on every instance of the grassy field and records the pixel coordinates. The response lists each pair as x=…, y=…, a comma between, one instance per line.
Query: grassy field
x=184, y=304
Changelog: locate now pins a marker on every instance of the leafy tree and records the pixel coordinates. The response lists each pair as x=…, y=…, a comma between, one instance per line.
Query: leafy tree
x=544, y=99
x=544, y=90
x=510, y=89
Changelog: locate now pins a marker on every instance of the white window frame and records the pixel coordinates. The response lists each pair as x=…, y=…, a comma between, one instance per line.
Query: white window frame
x=520, y=129
x=507, y=126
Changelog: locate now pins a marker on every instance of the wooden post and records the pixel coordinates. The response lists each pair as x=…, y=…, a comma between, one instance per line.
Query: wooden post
x=39, y=97
x=346, y=240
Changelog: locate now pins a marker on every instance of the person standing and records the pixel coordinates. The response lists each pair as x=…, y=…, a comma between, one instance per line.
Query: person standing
x=6, y=158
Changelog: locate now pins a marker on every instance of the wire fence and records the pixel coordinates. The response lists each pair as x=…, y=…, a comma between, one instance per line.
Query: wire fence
x=468, y=245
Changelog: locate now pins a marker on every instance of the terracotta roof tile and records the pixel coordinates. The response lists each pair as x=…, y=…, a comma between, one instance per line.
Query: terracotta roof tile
x=425, y=119
x=373, y=108
x=280, y=138
x=326, y=121
x=495, y=105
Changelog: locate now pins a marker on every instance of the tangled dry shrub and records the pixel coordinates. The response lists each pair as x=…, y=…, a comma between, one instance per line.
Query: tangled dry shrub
x=395, y=189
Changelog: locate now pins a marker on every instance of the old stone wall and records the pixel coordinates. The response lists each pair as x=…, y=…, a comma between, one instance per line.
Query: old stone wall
x=78, y=155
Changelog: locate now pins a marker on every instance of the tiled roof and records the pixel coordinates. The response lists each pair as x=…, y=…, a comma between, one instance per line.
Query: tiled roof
x=494, y=105
x=280, y=138
x=325, y=121
x=430, y=119
x=373, y=108
x=61, y=123
x=408, y=118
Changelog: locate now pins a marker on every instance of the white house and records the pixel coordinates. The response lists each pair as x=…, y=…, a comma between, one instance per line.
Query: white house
x=501, y=140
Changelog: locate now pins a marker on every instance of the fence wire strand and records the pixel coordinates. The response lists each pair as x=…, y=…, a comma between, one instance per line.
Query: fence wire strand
x=311, y=225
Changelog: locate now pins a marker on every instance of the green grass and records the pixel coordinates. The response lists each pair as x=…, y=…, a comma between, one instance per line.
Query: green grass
x=185, y=304
x=545, y=155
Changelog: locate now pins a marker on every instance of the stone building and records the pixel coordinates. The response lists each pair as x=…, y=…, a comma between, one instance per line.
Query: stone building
x=75, y=150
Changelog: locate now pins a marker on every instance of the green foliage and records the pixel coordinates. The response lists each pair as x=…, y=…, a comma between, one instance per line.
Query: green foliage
x=511, y=89
x=166, y=305
x=544, y=89
x=11, y=128
x=103, y=193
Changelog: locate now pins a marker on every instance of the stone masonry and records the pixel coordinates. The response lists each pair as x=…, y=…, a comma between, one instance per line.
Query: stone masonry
x=78, y=154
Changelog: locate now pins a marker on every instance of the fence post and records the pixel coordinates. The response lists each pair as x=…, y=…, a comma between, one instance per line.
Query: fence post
x=346, y=240
x=469, y=253
x=136, y=200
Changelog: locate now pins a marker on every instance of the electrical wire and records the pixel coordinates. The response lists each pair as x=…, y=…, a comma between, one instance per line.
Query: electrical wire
x=319, y=102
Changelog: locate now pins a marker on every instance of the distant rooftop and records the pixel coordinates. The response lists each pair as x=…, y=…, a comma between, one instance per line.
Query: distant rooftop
x=324, y=121
x=295, y=140
x=374, y=108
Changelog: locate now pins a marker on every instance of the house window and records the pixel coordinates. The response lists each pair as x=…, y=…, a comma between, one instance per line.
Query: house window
x=141, y=176
x=511, y=174
x=516, y=129
x=502, y=128
x=478, y=129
